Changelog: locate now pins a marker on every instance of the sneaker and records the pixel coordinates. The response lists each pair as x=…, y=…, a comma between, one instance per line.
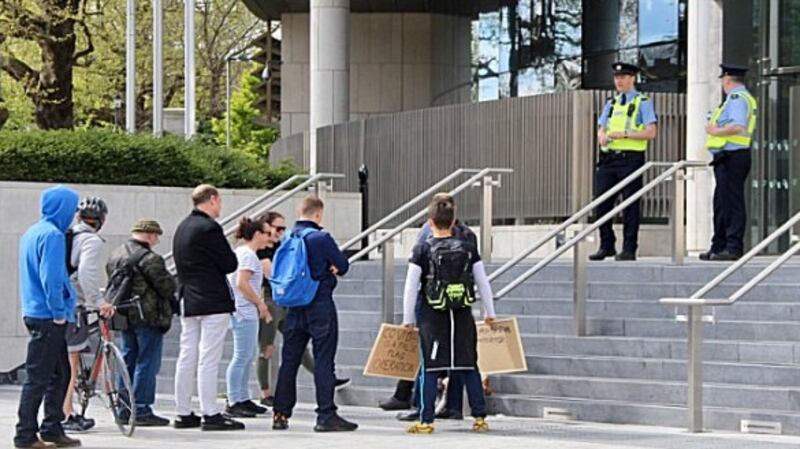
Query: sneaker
x=336, y=424
x=408, y=417
x=393, y=403
x=480, y=425
x=190, y=421
x=62, y=441
x=77, y=424
x=418, y=427
x=450, y=414
x=220, y=422
x=268, y=401
x=151, y=420
x=240, y=410
x=253, y=407
x=280, y=422
x=341, y=384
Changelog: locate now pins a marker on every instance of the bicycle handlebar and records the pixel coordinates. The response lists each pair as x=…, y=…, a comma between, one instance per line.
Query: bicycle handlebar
x=135, y=301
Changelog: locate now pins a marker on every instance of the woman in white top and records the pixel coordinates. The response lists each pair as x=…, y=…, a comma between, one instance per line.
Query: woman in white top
x=250, y=307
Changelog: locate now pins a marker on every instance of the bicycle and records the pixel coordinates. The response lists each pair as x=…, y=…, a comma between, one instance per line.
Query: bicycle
x=107, y=368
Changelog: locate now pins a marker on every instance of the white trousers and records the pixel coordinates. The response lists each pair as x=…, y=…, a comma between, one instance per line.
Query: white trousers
x=202, y=342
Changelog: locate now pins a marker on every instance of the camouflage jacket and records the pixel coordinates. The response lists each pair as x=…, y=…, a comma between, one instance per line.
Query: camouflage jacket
x=152, y=282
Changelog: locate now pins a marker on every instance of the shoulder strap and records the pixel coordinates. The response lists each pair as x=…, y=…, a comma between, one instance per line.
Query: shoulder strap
x=305, y=232
x=135, y=259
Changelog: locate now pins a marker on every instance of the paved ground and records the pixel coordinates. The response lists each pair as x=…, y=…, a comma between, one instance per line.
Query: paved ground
x=380, y=430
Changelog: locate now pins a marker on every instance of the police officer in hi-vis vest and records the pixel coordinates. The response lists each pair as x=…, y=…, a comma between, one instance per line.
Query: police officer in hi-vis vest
x=626, y=124
x=729, y=135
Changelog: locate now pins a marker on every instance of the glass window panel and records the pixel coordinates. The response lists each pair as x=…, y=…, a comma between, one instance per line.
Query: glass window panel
x=658, y=21
x=789, y=32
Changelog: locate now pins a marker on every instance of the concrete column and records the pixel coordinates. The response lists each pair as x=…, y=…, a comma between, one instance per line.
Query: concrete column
x=330, y=67
x=190, y=103
x=703, y=95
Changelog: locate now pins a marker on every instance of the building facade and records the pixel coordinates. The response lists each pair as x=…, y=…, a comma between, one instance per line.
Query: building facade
x=411, y=55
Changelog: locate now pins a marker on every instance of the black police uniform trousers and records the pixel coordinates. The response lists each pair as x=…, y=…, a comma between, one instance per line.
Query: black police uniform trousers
x=730, y=214
x=613, y=167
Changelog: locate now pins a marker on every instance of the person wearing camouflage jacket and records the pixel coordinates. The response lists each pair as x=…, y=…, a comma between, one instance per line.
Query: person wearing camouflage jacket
x=142, y=342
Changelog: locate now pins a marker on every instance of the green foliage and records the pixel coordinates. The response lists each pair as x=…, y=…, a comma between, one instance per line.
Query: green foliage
x=106, y=157
x=246, y=134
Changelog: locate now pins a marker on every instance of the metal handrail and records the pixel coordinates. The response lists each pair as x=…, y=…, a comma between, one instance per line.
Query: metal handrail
x=482, y=177
x=288, y=194
x=574, y=218
x=696, y=299
x=407, y=205
x=399, y=228
x=311, y=179
x=695, y=320
x=242, y=210
x=674, y=167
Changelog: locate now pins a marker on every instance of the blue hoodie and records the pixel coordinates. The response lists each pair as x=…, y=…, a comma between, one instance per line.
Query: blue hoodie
x=46, y=291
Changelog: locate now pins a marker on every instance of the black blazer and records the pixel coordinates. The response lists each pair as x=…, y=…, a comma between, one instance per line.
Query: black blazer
x=202, y=258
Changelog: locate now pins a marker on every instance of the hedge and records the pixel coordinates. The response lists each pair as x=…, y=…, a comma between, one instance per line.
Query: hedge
x=100, y=156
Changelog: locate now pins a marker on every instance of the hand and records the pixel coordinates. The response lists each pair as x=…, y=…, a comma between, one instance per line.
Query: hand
x=107, y=310
x=263, y=312
x=603, y=140
x=616, y=135
x=490, y=321
x=408, y=325
x=333, y=269
x=60, y=322
x=711, y=129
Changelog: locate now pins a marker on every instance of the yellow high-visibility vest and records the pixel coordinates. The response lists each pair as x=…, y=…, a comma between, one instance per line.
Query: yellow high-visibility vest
x=746, y=136
x=622, y=119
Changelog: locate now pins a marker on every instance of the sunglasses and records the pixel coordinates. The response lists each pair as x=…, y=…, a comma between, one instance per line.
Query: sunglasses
x=279, y=228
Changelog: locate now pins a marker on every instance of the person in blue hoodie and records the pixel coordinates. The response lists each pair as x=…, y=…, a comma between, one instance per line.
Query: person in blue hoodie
x=48, y=304
x=317, y=322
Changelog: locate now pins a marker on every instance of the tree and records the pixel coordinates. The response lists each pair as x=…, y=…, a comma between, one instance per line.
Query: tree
x=54, y=27
x=246, y=134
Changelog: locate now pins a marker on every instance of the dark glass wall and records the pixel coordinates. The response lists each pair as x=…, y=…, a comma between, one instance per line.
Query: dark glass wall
x=525, y=47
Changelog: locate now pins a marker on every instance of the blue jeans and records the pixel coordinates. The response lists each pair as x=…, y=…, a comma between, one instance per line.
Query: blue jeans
x=47, y=367
x=245, y=345
x=141, y=348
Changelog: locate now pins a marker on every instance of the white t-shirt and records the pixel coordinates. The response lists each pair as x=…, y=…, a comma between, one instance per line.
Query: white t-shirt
x=248, y=261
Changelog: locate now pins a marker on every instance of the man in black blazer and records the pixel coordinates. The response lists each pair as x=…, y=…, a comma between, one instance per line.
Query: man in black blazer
x=203, y=258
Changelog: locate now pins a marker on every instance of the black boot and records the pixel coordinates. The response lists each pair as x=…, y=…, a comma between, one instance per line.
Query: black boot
x=603, y=253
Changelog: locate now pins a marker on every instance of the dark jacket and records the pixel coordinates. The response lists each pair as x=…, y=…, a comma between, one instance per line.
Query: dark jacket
x=203, y=257
x=322, y=254
x=151, y=282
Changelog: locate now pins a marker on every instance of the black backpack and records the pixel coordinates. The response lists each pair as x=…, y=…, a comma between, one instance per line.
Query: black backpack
x=120, y=283
x=449, y=283
x=70, y=236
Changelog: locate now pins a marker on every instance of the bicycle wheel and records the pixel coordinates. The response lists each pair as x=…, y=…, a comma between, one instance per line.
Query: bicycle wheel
x=118, y=389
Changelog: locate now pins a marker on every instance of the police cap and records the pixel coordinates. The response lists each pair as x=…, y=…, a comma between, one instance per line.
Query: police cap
x=621, y=68
x=733, y=70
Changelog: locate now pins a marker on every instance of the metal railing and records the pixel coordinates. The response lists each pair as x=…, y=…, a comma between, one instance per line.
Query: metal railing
x=385, y=242
x=321, y=180
x=674, y=170
x=697, y=301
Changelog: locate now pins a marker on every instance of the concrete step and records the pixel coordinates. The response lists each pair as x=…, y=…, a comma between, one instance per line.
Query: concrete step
x=596, y=410
x=649, y=391
x=663, y=369
x=643, y=270
x=776, y=292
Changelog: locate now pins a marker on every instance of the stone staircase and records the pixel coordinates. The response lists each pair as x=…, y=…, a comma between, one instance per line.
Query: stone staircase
x=631, y=369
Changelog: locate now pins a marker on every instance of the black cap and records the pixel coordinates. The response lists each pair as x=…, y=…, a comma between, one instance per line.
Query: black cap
x=621, y=68
x=733, y=70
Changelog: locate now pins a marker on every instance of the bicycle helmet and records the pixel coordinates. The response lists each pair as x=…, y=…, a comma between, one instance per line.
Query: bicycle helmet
x=93, y=208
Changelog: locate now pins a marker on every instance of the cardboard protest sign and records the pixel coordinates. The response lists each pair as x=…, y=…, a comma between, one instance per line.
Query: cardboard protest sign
x=395, y=353
x=500, y=347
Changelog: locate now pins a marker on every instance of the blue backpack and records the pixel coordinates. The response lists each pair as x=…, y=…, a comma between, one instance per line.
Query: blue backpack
x=291, y=282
